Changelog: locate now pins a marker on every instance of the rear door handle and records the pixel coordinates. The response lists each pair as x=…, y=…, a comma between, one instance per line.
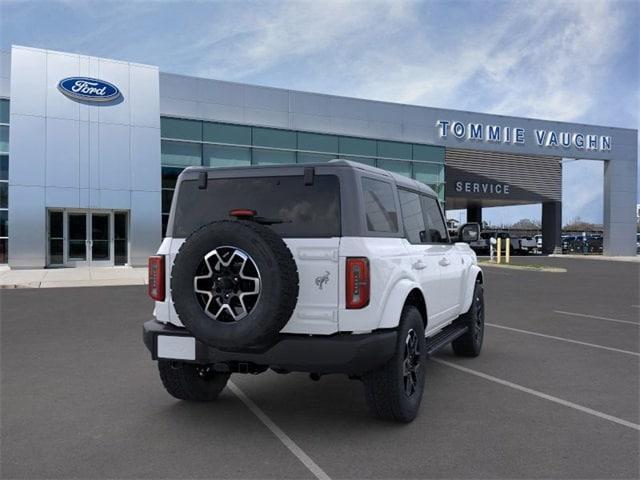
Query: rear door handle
x=419, y=265
x=444, y=261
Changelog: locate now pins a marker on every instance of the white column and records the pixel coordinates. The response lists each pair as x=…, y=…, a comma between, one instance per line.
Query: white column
x=620, y=199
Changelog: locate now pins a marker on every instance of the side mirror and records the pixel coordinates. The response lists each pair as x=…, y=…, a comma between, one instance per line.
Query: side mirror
x=469, y=232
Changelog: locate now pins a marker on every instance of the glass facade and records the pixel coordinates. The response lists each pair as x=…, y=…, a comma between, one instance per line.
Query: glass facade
x=4, y=180
x=194, y=142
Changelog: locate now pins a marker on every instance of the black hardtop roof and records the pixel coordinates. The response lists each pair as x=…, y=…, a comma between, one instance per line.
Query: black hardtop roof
x=297, y=168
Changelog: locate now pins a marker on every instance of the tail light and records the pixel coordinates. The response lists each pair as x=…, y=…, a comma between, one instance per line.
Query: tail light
x=156, y=278
x=358, y=282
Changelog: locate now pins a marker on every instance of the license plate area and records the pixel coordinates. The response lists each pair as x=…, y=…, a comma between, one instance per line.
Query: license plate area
x=176, y=347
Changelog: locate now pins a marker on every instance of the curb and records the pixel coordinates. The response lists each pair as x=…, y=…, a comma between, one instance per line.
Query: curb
x=602, y=258
x=73, y=284
x=524, y=267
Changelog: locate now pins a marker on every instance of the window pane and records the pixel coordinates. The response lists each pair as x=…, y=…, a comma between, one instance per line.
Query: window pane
x=165, y=220
x=4, y=223
x=77, y=236
x=270, y=157
x=428, y=173
x=120, y=242
x=303, y=210
x=314, y=157
x=394, y=150
x=170, y=176
x=55, y=225
x=4, y=111
x=120, y=252
x=4, y=194
x=271, y=137
x=167, y=195
x=4, y=139
x=365, y=160
x=100, y=250
x=225, y=133
x=178, y=153
x=4, y=250
x=317, y=143
x=99, y=227
x=56, y=252
x=178, y=128
x=4, y=167
x=120, y=226
x=428, y=153
x=221, y=156
x=77, y=227
x=436, y=229
x=358, y=146
x=403, y=168
x=77, y=250
x=412, y=217
x=380, y=206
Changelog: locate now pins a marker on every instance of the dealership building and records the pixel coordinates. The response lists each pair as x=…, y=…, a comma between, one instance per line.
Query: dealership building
x=90, y=149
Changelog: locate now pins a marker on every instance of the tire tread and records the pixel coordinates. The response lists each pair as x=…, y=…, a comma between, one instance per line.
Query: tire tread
x=383, y=394
x=182, y=382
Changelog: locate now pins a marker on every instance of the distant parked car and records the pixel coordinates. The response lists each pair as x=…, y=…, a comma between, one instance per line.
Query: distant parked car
x=538, y=247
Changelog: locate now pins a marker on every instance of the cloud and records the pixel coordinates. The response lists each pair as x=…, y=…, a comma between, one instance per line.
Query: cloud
x=570, y=60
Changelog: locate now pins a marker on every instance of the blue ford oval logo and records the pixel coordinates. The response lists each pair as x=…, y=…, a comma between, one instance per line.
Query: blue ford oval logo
x=89, y=89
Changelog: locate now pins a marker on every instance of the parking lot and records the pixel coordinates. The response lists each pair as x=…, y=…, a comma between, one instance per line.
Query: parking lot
x=555, y=394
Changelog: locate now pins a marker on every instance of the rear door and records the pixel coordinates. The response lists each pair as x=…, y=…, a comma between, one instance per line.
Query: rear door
x=449, y=261
x=423, y=259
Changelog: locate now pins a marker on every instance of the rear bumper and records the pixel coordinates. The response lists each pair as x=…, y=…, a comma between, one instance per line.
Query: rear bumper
x=343, y=353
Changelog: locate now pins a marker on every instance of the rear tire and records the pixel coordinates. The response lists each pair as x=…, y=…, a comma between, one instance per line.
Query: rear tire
x=394, y=392
x=187, y=381
x=470, y=344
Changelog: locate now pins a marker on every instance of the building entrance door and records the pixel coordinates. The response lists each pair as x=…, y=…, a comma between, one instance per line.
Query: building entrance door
x=87, y=238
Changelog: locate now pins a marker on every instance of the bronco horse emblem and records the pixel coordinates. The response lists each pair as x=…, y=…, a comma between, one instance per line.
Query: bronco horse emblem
x=322, y=279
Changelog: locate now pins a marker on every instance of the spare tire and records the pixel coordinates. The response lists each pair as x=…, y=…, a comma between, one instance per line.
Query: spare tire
x=234, y=284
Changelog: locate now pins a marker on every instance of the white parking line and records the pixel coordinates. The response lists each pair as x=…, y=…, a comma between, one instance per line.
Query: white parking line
x=538, y=394
x=602, y=347
x=277, y=431
x=608, y=319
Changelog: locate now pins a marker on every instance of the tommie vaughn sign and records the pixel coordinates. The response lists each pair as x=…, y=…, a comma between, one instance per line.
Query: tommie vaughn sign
x=88, y=89
x=478, y=132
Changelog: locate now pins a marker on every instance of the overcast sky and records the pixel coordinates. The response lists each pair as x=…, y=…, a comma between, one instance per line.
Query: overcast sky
x=555, y=60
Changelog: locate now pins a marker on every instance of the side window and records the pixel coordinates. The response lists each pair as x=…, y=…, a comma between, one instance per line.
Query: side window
x=412, y=217
x=436, y=228
x=379, y=206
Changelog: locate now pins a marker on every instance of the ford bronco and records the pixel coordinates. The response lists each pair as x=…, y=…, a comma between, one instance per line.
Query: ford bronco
x=333, y=267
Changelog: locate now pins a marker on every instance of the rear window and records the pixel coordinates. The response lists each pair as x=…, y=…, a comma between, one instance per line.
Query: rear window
x=302, y=210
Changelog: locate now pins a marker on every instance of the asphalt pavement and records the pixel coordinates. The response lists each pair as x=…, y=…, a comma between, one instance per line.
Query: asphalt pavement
x=554, y=394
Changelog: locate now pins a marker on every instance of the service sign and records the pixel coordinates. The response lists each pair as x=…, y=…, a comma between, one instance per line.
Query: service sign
x=88, y=89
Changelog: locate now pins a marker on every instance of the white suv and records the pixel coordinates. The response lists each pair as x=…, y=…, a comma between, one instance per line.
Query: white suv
x=332, y=267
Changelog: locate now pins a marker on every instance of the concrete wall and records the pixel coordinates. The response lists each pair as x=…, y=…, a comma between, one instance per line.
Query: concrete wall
x=70, y=154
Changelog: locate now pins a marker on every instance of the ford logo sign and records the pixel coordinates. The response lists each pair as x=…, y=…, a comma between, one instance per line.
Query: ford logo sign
x=89, y=89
